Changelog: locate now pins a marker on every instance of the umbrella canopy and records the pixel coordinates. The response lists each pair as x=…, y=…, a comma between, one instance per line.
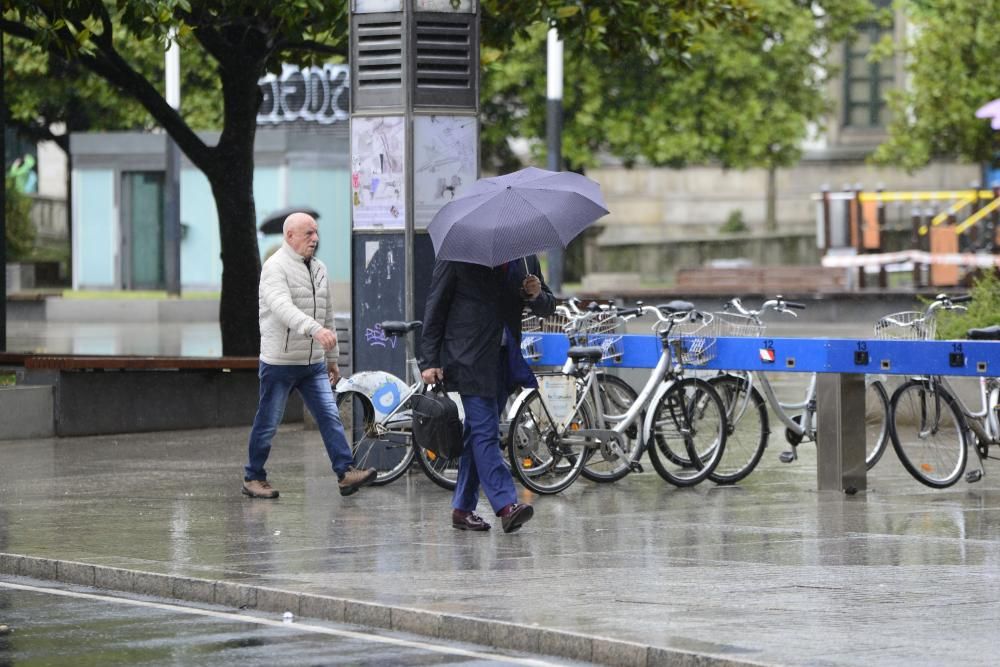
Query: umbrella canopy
x=274, y=221
x=507, y=217
x=990, y=110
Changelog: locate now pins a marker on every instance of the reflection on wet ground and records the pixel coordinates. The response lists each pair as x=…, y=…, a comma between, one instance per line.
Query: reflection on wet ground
x=190, y=339
x=769, y=570
x=54, y=625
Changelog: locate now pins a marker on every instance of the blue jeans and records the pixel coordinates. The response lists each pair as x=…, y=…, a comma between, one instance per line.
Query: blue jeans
x=313, y=384
x=482, y=459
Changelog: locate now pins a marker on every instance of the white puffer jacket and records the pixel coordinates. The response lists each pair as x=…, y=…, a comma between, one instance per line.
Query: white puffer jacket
x=294, y=303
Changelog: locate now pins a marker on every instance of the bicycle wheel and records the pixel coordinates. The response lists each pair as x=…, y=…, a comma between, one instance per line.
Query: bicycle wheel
x=928, y=433
x=385, y=447
x=748, y=430
x=544, y=461
x=441, y=470
x=689, y=420
x=617, y=396
x=876, y=421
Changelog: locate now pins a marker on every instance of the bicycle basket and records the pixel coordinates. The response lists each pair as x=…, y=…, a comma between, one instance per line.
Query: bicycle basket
x=601, y=329
x=696, y=337
x=735, y=324
x=906, y=325
x=554, y=323
x=530, y=322
x=531, y=346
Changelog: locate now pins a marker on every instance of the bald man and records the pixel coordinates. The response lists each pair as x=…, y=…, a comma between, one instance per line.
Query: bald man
x=298, y=350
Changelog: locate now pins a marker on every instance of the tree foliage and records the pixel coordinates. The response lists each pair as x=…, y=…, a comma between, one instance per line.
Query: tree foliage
x=19, y=231
x=48, y=96
x=982, y=311
x=742, y=98
x=244, y=39
x=951, y=60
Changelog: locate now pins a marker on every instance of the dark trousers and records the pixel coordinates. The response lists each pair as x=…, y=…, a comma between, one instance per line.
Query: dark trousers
x=482, y=463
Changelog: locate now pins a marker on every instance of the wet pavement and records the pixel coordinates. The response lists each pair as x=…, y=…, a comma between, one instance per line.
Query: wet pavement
x=770, y=571
x=63, y=625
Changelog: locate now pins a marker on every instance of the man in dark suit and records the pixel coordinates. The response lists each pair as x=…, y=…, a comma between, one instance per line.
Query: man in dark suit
x=472, y=343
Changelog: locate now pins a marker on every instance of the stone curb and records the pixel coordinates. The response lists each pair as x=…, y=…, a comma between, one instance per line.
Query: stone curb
x=452, y=627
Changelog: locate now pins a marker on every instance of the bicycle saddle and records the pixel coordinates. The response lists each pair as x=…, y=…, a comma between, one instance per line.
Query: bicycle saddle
x=676, y=306
x=395, y=328
x=985, y=333
x=585, y=353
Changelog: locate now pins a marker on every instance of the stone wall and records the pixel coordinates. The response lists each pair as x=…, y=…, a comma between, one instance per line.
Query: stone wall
x=652, y=204
x=656, y=262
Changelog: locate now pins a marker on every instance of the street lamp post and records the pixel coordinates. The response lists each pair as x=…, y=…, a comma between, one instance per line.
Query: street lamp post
x=553, y=132
x=172, y=184
x=3, y=207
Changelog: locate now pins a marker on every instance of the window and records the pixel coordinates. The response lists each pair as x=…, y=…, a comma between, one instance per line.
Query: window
x=865, y=82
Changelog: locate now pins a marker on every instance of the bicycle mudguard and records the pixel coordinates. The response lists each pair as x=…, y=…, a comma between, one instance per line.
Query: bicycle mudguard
x=647, y=424
x=384, y=389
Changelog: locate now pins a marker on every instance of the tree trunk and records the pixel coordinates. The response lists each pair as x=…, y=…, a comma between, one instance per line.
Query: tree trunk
x=231, y=178
x=771, y=206
x=234, y=203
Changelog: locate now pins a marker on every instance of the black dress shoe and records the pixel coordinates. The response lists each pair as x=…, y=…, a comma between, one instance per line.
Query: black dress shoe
x=468, y=521
x=515, y=515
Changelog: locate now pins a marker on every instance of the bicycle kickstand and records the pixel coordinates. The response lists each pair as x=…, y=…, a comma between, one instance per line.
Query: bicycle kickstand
x=789, y=455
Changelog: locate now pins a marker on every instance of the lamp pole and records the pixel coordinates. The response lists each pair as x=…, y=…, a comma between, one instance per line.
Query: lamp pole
x=3, y=207
x=172, y=180
x=553, y=131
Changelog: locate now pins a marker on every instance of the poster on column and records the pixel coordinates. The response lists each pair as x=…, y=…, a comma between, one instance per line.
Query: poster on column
x=378, y=180
x=445, y=162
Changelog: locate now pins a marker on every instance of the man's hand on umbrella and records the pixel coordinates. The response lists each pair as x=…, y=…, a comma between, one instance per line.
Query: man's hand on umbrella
x=531, y=287
x=432, y=375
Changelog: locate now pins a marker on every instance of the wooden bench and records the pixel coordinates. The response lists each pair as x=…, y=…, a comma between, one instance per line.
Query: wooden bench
x=788, y=279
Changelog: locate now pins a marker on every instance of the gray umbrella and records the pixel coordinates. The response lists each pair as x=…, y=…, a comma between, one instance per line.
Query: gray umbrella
x=275, y=220
x=507, y=217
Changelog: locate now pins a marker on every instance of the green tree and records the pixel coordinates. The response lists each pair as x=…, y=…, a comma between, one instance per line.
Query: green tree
x=19, y=231
x=982, y=311
x=48, y=96
x=739, y=98
x=951, y=57
x=245, y=38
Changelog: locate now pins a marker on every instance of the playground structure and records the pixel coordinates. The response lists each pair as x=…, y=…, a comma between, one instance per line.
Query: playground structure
x=936, y=237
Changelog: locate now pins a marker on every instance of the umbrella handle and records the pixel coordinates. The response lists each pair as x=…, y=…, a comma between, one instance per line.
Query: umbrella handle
x=526, y=271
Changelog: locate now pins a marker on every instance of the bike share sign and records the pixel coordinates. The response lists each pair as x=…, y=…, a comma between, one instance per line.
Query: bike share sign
x=312, y=94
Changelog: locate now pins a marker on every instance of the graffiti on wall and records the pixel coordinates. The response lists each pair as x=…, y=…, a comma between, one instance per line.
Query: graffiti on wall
x=318, y=94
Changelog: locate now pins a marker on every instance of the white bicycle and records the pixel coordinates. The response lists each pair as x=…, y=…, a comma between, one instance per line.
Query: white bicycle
x=375, y=409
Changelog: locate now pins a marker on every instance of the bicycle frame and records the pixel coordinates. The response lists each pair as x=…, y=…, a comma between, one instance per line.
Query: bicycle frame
x=661, y=378
x=807, y=406
x=984, y=421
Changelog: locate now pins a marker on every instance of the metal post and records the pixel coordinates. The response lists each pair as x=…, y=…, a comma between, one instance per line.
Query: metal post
x=3, y=207
x=859, y=231
x=840, y=435
x=826, y=219
x=995, y=223
x=172, y=180
x=553, y=132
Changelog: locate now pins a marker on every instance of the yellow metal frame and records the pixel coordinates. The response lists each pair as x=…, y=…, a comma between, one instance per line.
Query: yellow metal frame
x=964, y=198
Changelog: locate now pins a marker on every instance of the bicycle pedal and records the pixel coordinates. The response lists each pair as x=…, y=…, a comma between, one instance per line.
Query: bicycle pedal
x=788, y=456
x=973, y=476
x=635, y=466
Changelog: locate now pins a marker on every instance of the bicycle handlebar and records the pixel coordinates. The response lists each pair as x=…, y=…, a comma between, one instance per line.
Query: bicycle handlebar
x=777, y=304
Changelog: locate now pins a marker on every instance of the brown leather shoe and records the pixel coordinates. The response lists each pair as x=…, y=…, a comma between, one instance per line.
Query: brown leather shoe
x=354, y=479
x=515, y=515
x=259, y=488
x=468, y=521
